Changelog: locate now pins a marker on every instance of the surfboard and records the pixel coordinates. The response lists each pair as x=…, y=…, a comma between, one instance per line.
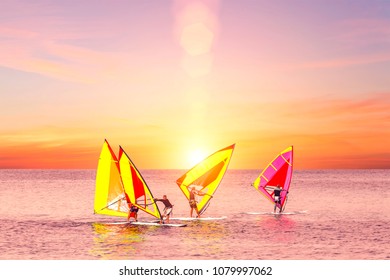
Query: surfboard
x=277, y=213
x=146, y=224
x=198, y=219
x=157, y=224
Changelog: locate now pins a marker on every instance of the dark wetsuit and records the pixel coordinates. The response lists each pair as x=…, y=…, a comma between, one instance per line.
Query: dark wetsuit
x=277, y=193
x=133, y=209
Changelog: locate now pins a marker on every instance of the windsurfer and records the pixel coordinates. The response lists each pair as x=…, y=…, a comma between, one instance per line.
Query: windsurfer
x=192, y=201
x=168, y=207
x=277, y=197
x=133, y=212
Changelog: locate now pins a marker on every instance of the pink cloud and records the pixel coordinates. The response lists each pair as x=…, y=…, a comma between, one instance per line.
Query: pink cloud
x=29, y=52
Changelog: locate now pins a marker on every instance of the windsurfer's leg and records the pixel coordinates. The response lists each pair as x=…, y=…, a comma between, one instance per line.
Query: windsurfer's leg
x=197, y=212
x=280, y=208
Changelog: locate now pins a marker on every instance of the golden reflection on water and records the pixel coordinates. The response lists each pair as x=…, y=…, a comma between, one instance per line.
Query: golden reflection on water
x=117, y=241
x=205, y=239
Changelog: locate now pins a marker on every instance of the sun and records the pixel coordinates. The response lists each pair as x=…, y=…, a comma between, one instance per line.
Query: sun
x=195, y=156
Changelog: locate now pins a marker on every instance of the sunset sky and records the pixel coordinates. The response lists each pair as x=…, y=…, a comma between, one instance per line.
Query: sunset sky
x=172, y=81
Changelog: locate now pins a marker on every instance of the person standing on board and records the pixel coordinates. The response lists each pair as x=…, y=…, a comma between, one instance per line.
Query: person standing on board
x=168, y=207
x=193, y=203
x=277, y=199
x=133, y=212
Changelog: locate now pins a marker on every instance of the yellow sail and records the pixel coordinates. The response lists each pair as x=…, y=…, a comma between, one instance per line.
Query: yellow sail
x=110, y=197
x=206, y=176
x=136, y=187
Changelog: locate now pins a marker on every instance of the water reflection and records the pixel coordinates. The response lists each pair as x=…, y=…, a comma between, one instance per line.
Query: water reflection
x=277, y=228
x=205, y=239
x=117, y=241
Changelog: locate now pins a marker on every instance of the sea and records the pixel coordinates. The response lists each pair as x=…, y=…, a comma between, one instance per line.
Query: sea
x=330, y=215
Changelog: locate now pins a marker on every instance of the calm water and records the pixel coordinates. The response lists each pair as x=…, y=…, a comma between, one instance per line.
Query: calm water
x=335, y=214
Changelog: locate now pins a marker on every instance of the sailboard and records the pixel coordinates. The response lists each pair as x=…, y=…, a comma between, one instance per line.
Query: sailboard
x=156, y=223
x=277, y=213
x=206, y=176
x=277, y=172
x=199, y=219
x=118, y=184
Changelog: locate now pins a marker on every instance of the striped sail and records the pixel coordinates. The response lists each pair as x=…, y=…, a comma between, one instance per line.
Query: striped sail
x=278, y=172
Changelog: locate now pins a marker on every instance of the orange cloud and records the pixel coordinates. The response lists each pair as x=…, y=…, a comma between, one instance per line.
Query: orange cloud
x=326, y=133
x=35, y=155
x=48, y=55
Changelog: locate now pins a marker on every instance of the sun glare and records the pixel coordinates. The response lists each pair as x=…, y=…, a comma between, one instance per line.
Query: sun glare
x=195, y=157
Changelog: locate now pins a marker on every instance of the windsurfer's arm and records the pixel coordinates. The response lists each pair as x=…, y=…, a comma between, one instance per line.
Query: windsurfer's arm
x=198, y=193
x=202, y=194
